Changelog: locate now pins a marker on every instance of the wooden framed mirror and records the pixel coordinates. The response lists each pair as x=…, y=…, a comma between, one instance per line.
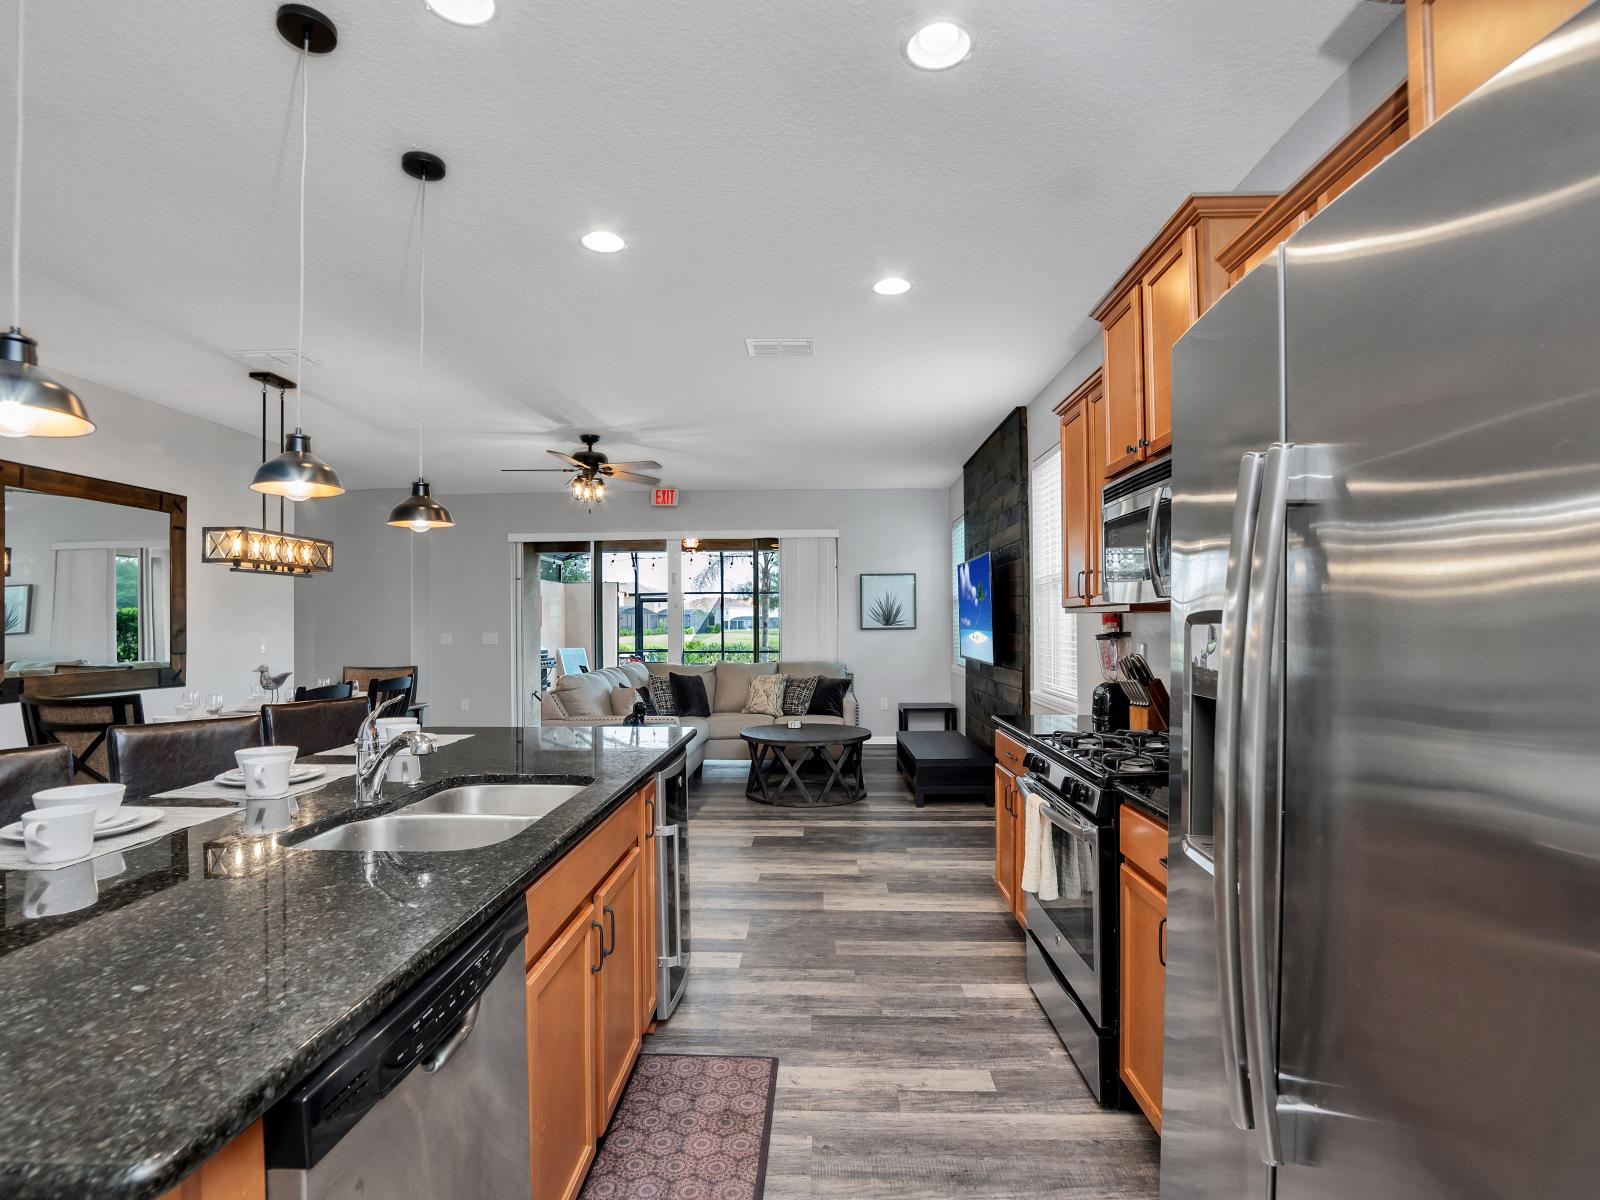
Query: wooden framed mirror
x=96, y=595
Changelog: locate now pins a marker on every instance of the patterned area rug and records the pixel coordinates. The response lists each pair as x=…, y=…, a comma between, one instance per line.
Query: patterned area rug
x=689, y=1127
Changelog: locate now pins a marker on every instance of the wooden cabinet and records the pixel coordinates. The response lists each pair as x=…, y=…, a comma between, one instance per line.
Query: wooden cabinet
x=238, y=1171
x=1455, y=46
x=1082, y=469
x=562, y=1059
x=1383, y=132
x=1175, y=280
x=1143, y=989
x=618, y=909
x=1007, y=870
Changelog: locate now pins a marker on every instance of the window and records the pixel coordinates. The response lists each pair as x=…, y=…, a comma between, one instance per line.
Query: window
x=730, y=602
x=1055, y=630
x=958, y=555
x=633, y=602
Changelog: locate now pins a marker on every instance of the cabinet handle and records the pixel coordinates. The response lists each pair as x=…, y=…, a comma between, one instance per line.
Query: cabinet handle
x=1144, y=441
x=1161, y=941
x=1132, y=449
x=595, y=970
x=1079, y=583
x=650, y=826
x=611, y=920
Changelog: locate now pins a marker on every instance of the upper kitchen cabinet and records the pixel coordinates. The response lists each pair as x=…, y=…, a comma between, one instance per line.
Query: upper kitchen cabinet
x=1454, y=46
x=1172, y=282
x=1363, y=148
x=1083, y=468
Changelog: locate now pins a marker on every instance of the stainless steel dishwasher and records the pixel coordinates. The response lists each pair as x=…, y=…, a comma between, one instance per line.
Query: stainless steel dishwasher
x=430, y=1100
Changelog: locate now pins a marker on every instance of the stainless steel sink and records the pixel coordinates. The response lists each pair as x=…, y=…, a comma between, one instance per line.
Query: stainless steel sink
x=408, y=831
x=532, y=800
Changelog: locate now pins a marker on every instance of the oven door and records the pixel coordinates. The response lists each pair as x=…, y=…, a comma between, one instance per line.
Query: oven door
x=1136, y=541
x=1077, y=929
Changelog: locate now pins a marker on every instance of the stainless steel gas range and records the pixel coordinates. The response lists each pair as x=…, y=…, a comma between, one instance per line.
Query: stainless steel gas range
x=1072, y=939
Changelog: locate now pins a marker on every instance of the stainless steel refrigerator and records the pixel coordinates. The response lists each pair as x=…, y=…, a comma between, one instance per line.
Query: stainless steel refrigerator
x=1384, y=900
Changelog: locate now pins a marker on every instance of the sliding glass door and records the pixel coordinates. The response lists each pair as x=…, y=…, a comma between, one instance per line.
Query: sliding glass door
x=730, y=602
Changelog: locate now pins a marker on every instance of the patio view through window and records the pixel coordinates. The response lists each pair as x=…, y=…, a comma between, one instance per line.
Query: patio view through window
x=730, y=602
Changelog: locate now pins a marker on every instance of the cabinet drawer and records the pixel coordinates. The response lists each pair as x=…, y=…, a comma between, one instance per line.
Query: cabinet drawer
x=1008, y=753
x=1144, y=843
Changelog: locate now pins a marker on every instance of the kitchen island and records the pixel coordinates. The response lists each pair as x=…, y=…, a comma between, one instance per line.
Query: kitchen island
x=220, y=965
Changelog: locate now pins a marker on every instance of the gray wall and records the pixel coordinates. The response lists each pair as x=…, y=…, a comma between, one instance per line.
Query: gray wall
x=396, y=593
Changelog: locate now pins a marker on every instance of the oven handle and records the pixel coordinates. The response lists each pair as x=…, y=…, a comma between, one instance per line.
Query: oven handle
x=1070, y=822
x=1225, y=832
x=1152, y=559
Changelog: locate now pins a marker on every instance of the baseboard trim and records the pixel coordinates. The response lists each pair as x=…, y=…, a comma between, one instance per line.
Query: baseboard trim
x=882, y=739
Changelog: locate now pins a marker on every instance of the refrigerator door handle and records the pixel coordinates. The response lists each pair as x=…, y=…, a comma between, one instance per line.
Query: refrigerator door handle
x=1225, y=808
x=1151, y=557
x=1258, y=726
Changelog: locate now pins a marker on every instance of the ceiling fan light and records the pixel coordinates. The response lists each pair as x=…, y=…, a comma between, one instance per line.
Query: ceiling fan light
x=31, y=403
x=420, y=512
x=297, y=474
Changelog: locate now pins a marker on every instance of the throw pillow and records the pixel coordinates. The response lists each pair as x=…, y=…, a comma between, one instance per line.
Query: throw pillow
x=689, y=696
x=828, y=699
x=623, y=699
x=662, y=701
x=649, y=700
x=766, y=695
x=797, y=695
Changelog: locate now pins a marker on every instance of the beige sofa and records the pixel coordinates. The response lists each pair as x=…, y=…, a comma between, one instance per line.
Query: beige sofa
x=607, y=696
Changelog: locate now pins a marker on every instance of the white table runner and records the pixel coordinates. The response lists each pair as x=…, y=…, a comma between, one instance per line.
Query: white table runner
x=14, y=857
x=441, y=740
x=210, y=789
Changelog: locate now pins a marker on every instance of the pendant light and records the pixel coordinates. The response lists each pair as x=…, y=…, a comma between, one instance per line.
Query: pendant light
x=297, y=474
x=420, y=512
x=31, y=403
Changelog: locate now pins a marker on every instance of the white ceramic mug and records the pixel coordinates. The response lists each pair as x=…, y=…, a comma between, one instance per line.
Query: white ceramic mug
x=59, y=834
x=54, y=893
x=405, y=767
x=274, y=813
x=266, y=769
x=106, y=797
x=390, y=727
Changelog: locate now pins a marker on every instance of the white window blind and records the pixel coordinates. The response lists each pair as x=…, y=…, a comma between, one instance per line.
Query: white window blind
x=958, y=555
x=1055, y=631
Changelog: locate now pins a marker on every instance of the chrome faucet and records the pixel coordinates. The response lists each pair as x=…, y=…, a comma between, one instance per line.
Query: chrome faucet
x=373, y=754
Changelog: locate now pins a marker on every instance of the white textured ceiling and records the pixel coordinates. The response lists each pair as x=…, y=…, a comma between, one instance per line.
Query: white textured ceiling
x=767, y=160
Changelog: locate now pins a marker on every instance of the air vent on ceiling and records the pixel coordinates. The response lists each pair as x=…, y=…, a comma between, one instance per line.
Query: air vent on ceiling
x=282, y=358
x=778, y=347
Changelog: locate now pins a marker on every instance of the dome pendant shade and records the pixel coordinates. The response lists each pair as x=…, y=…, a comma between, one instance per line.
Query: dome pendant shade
x=420, y=512
x=297, y=474
x=31, y=403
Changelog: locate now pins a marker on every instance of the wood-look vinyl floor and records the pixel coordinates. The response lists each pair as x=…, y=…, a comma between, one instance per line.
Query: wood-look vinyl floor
x=866, y=948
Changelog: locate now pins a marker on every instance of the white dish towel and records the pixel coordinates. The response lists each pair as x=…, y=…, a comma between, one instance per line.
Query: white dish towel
x=1038, y=850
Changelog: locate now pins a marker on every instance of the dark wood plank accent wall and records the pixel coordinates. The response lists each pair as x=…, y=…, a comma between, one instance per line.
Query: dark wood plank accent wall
x=995, y=487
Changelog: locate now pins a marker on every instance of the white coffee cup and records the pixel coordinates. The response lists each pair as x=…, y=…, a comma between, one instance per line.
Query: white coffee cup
x=391, y=727
x=271, y=814
x=266, y=769
x=404, y=767
x=59, y=834
x=54, y=893
x=106, y=797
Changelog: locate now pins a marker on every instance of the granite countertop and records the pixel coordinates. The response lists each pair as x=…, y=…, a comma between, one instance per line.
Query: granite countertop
x=218, y=966
x=1043, y=724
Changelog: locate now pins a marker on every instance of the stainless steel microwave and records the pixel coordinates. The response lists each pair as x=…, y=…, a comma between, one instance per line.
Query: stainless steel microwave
x=1136, y=536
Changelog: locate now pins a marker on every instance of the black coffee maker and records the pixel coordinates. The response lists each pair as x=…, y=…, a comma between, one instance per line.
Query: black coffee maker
x=1110, y=710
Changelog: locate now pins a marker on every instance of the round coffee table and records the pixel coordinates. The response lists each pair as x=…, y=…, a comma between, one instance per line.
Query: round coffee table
x=836, y=747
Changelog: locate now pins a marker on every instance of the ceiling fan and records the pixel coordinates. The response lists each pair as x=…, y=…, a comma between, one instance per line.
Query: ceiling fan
x=590, y=465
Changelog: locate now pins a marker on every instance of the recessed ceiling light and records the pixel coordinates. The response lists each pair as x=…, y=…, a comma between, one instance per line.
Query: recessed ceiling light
x=462, y=12
x=939, y=46
x=892, y=286
x=603, y=241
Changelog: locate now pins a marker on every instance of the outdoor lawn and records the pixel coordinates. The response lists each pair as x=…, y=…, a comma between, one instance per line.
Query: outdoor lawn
x=711, y=645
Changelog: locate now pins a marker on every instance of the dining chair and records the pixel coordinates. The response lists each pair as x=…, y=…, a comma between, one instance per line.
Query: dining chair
x=151, y=759
x=380, y=690
x=80, y=723
x=313, y=725
x=332, y=691
x=30, y=769
x=362, y=676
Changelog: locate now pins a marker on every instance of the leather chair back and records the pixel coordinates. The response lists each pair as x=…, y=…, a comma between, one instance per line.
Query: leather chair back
x=28, y=770
x=332, y=691
x=80, y=723
x=313, y=725
x=156, y=758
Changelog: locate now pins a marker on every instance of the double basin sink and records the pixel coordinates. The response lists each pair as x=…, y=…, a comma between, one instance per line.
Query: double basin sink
x=458, y=818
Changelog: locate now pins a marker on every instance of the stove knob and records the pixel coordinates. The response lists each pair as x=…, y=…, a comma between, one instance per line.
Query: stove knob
x=1035, y=762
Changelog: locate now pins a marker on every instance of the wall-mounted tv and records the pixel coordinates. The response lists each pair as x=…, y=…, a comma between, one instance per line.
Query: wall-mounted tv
x=975, y=609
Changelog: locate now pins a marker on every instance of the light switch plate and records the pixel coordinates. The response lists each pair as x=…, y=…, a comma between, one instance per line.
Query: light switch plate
x=446, y=639
x=465, y=705
x=491, y=639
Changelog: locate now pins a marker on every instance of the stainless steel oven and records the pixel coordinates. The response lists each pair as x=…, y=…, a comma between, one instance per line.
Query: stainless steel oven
x=1136, y=536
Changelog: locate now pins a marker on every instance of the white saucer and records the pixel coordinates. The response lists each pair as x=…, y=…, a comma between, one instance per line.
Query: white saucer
x=299, y=773
x=124, y=820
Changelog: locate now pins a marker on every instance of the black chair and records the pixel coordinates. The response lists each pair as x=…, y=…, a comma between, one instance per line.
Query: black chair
x=333, y=691
x=157, y=758
x=80, y=723
x=28, y=770
x=380, y=690
x=313, y=725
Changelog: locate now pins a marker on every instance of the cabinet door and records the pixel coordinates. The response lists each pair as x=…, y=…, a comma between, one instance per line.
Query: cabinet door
x=1169, y=303
x=1019, y=808
x=1124, y=385
x=1005, y=838
x=1077, y=485
x=1454, y=46
x=618, y=909
x=1144, y=989
x=1096, y=404
x=238, y=1171
x=648, y=915
x=561, y=1059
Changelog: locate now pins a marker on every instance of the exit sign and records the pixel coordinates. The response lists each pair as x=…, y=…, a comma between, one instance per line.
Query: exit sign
x=664, y=497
